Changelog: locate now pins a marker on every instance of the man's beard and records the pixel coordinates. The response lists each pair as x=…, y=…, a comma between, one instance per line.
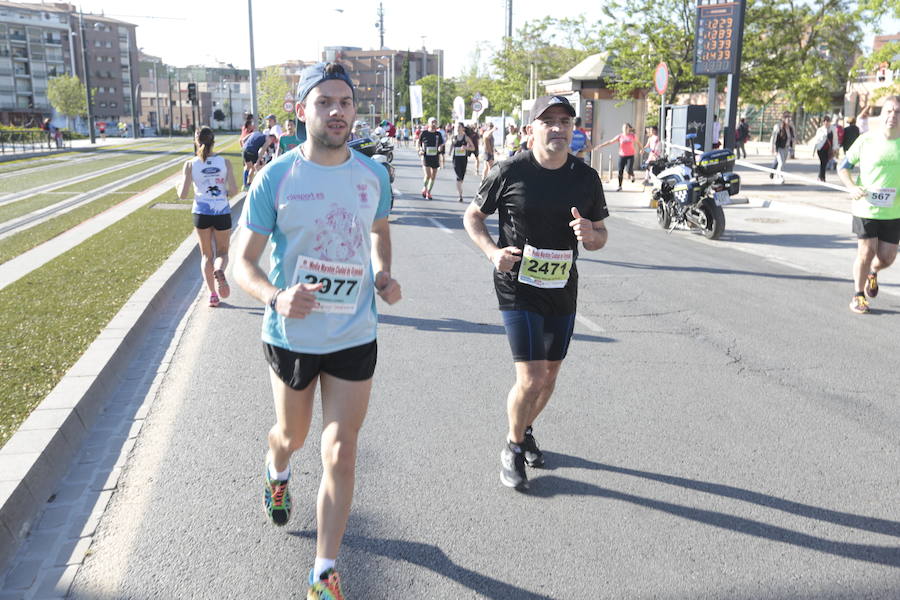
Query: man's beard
x=321, y=138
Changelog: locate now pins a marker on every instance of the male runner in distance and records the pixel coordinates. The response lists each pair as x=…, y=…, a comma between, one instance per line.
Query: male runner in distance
x=325, y=209
x=540, y=196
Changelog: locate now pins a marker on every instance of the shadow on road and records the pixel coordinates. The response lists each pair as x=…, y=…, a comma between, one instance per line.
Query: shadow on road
x=431, y=557
x=460, y=326
x=713, y=270
x=790, y=240
x=548, y=486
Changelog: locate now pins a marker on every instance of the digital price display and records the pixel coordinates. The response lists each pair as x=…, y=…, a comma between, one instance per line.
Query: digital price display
x=716, y=42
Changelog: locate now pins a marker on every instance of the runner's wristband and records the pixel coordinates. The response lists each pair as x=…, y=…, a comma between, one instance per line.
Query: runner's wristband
x=274, y=298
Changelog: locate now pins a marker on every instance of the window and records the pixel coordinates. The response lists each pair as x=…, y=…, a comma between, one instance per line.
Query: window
x=102, y=104
x=108, y=44
x=113, y=104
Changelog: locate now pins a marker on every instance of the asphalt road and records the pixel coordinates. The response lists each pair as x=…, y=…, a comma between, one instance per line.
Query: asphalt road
x=723, y=428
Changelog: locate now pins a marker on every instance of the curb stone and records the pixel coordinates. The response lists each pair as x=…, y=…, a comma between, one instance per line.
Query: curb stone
x=40, y=452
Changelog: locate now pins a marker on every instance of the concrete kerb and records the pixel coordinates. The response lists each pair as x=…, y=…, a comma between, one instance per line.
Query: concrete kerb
x=40, y=452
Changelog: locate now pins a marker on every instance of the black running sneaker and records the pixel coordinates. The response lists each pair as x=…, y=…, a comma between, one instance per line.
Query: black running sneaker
x=533, y=456
x=512, y=467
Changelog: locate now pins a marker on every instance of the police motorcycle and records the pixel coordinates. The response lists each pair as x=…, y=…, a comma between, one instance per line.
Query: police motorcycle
x=368, y=146
x=384, y=147
x=690, y=191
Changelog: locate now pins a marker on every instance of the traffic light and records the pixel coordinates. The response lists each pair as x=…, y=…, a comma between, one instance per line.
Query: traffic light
x=192, y=93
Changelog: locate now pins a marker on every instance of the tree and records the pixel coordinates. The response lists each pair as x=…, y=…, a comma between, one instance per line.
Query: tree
x=272, y=90
x=552, y=45
x=797, y=51
x=218, y=116
x=429, y=97
x=403, y=89
x=67, y=95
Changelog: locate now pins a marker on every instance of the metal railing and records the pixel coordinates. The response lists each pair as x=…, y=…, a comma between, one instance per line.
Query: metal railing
x=14, y=141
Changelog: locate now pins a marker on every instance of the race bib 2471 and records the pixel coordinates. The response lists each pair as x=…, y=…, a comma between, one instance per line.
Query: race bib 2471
x=545, y=268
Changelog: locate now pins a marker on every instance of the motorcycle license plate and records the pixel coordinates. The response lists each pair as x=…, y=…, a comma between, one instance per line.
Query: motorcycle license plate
x=722, y=198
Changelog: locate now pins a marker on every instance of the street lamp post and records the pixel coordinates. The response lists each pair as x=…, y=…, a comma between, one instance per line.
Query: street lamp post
x=253, y=106
x=87, y=78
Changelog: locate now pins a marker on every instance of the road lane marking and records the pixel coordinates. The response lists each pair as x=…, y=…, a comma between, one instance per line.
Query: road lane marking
x=588, y=323
x=442, y=228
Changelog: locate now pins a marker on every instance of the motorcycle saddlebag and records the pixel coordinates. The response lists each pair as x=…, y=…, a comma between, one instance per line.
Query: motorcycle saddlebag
x=685, y=192
x=715, y=161
x=732, y=183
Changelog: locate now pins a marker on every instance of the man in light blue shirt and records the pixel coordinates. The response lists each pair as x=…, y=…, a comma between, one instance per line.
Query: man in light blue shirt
x=324, y=208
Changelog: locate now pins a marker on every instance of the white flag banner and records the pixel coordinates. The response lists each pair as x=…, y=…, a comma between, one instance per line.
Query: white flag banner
x=415, y=101
x=459, y=109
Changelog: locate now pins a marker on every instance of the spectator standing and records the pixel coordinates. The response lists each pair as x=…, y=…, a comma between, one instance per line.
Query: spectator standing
x=825, y=141
x=782, y=141
x=741, y=136
x=579, y=140
x=627, y=141
x=851, y=132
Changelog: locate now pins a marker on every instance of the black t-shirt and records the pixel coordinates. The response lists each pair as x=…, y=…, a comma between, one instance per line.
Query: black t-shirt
x=851, y=132
x=430, y=139
x=534, y=206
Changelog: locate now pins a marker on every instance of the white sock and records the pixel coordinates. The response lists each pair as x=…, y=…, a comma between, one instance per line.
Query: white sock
x=322, y=565
x=279, y=475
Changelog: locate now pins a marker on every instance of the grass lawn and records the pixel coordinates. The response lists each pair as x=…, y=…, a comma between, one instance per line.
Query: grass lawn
x=49, y=317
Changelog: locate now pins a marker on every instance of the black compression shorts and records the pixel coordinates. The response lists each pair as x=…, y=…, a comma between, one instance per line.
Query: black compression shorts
x=533, y=336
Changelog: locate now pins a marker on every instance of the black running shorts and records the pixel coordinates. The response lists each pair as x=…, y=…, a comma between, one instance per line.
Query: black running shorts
x=251, y=156
x=220, y=222
x=886, y=230
x=298, y=370
x=533, y=336
x=433, y=162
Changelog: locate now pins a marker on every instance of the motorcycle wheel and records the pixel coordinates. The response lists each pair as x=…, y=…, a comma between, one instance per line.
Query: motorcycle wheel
x=390, y=156
x=663, y=214
x=714, y=219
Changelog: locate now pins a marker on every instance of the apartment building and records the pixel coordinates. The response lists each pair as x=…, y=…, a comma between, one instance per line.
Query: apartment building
x=377, y=75
x=40, y=41
x=35, y=45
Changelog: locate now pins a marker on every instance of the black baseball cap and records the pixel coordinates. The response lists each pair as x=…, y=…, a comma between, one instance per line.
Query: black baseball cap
x=544, y=102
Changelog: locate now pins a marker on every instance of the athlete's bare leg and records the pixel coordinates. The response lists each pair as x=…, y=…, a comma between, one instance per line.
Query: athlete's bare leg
x=205, y=238
x=535, y=381
x=223, y=241
x=344, y=405
x=293, y=413
x=872, y=255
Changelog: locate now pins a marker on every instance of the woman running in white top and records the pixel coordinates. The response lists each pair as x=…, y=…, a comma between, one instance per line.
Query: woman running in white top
x=210, y=173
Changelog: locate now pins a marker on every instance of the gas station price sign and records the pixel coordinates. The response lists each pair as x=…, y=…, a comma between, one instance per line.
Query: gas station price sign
x=716, y=42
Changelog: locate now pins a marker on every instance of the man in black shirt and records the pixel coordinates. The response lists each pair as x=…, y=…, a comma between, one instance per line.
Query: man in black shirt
x=547, y=201
x=430, y=149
